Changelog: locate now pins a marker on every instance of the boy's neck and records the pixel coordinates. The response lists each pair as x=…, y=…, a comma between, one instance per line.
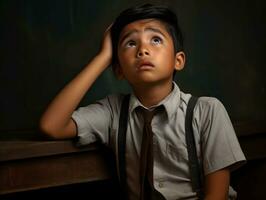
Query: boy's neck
x=153, y=94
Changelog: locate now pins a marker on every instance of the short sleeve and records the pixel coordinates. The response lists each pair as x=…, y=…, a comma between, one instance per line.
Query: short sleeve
x=95, y=120
x=219, y=143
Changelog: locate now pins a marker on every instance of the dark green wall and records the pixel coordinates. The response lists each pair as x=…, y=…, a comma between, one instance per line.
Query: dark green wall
x=44, y=44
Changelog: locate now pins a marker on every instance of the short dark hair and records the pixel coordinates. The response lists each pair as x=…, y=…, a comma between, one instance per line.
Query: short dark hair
x=146, y=11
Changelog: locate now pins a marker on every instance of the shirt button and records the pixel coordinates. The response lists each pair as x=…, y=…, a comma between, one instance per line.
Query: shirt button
x=160, y=184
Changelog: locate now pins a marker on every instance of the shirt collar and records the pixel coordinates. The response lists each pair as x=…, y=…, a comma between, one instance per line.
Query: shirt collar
x=170, y=102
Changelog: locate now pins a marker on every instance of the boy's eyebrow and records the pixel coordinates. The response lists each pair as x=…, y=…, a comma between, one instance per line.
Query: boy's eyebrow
x=156, y=30
x=128, y=34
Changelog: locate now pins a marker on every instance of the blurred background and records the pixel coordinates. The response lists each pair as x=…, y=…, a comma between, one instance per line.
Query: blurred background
x=45, y=43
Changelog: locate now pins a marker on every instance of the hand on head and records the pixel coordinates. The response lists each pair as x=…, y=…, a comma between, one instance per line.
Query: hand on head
x=106, y=47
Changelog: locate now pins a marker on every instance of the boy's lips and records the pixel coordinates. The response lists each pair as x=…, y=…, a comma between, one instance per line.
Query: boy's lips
x=145, y=65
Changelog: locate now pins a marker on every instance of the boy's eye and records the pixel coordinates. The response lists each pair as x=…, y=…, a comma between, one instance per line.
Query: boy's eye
x=130, y=43
x=156, y=40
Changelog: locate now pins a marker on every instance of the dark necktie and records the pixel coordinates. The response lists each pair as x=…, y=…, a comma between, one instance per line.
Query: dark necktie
x=147, y=190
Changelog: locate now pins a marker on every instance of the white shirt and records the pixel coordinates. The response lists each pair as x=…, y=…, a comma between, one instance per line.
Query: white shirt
x=216, y=141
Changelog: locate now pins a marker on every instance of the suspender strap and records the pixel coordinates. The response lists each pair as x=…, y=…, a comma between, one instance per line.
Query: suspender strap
x=194, y=166
x=123, y=119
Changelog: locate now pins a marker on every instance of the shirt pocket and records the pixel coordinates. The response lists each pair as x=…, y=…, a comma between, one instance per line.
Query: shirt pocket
x=177, y=152
x=173, y=159
x=177, y=157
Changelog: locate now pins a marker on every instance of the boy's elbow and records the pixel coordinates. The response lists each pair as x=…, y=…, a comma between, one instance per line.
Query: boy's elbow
x=57, y=132
x=48, y=130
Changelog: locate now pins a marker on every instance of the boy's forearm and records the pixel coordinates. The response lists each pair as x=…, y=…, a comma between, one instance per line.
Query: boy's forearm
x=58, y=113
x=217, y=185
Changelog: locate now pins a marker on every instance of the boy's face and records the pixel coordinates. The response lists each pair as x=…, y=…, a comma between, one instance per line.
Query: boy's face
x=146, y=53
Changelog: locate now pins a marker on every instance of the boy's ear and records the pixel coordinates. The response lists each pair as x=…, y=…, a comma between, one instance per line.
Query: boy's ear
x=180, y=59
x=118, y=72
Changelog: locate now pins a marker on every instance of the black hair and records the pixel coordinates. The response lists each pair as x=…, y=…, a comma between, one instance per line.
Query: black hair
x=146, y=11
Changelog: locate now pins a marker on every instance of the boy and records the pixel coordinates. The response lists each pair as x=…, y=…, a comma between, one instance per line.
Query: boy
x=145, y=47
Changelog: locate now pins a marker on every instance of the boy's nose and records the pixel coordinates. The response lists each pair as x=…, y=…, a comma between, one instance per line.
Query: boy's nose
x=142, y=52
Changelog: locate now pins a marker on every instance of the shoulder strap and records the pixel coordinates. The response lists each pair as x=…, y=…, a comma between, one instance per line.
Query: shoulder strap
x=194, y=166
x=123, y=119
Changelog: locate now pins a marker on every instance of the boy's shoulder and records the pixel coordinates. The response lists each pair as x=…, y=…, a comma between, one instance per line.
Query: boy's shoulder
x=209, y=101
x=204, y=102
x=114, y=101
x=115, y=97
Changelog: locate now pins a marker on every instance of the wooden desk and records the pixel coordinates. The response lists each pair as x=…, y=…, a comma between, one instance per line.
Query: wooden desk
x=28, y=165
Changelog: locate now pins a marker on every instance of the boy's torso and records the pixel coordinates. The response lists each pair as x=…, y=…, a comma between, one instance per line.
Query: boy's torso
x=171, y=172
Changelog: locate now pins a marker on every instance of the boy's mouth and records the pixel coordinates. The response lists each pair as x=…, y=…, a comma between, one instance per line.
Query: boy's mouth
x=144, y=65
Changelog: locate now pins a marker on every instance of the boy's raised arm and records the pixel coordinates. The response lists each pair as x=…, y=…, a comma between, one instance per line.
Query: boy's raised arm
x=56, y=121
